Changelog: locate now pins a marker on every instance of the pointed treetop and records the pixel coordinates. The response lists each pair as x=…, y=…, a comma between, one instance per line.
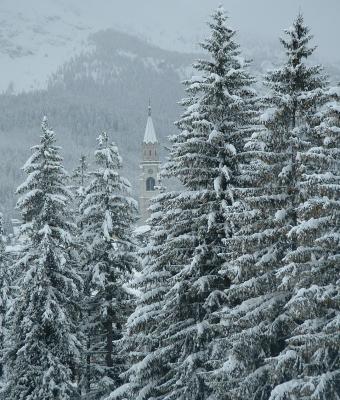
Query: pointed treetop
x=297, y=39
x=219, y=13
x=44, y=124
x=150, y=134
x=103, y=139
x=221, y=37
x=219, y=18
x=47, y=136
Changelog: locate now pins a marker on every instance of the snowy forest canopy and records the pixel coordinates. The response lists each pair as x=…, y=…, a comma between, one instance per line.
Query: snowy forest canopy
x=233, y=292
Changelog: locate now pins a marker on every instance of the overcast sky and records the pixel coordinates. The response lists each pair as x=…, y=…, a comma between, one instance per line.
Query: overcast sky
x=257, y=19
x=37, y=36
x=165, y=21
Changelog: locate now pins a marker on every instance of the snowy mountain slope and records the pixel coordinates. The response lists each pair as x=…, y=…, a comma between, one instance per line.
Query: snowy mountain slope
x=38, y=36
x=35, y=38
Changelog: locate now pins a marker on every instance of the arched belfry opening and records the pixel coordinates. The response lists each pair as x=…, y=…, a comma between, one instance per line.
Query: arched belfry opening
x=150, y=184
x=149, y=167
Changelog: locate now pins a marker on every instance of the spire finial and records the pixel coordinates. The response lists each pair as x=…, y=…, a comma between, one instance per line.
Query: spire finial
x=149, y=108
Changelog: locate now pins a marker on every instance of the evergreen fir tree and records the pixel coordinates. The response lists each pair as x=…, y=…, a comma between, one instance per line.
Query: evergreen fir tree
x=42, y=349
x=255, y=317
x=309, y=365
x=173, y=330
x=78, y=181
x=107, y=215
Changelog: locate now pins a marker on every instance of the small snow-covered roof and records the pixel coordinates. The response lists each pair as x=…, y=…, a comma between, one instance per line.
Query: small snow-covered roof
x=150, y=134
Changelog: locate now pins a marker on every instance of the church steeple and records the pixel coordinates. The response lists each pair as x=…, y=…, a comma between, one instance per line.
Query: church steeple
x=149, y=166
x=150, y=134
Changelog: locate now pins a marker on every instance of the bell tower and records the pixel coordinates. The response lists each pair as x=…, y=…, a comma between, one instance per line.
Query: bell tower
x=149, y=168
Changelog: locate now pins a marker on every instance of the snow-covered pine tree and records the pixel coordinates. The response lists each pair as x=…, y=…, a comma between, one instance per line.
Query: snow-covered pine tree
x=306, y=273
x=150, y=361
x=107, y=215
x=309, y=366
x=78, y=181
x=42, y=349
x=175, y=324
x=255, y=318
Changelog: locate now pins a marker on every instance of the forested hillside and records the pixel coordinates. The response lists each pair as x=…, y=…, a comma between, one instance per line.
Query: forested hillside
x=107, y=88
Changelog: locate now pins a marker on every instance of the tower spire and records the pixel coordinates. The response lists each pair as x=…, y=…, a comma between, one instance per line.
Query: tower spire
x=150, y=134
x=149, y=108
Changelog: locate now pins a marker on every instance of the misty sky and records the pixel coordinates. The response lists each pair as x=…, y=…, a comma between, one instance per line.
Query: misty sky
x=37, y=36
x=257, y=19
x=164, y=21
